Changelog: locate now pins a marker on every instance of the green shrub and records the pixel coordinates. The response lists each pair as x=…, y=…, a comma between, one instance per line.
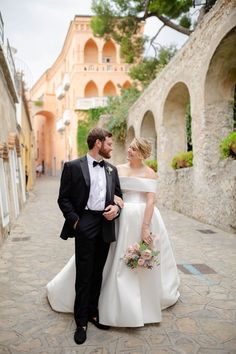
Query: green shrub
x=153, y=164
x=182, y=160
x=84, y=128
x=228, y=146
x=38, y=103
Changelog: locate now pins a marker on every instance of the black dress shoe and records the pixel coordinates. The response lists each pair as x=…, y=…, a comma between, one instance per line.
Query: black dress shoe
x=97, y=324
x=80, y=335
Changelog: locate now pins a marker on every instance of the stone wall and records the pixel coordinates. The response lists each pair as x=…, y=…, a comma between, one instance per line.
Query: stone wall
x=203, y=73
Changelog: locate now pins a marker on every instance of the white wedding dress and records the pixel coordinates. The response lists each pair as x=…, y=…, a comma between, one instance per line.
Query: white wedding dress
x=129, y=297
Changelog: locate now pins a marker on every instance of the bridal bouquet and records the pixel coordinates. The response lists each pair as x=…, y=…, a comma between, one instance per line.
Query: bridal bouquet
x=141, y=255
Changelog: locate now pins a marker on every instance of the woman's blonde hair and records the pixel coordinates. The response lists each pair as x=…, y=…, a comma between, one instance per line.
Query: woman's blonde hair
x=143, y=146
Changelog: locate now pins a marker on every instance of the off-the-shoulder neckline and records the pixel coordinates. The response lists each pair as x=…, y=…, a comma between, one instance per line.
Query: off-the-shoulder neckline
x=143, y=178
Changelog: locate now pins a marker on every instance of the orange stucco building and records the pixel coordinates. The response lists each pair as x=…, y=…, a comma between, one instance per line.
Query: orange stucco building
x=86, y=72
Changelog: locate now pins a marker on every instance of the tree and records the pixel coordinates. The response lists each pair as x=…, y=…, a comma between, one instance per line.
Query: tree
x=146, y=71
x=118, y=108
x=122, y=20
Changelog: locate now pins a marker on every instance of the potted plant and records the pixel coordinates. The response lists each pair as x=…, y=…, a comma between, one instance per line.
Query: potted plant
x=153, y=164
x=182, y=160
x=228, y=146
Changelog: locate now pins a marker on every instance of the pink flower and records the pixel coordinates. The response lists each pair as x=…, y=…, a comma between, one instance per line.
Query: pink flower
x=147, y=254
x=141, y=262
x=136, y=246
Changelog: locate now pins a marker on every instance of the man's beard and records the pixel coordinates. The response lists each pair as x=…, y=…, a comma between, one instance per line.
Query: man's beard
x=104, y=153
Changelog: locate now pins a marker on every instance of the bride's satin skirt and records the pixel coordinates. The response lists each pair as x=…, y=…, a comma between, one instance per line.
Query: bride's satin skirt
x=133, y=297
x=61, y=289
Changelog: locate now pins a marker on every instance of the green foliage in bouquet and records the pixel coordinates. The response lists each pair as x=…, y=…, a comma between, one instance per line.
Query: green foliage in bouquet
x=228, y=146
x=182, y=160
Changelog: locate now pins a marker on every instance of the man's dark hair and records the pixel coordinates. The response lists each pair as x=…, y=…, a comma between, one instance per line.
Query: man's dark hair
x=97, y=133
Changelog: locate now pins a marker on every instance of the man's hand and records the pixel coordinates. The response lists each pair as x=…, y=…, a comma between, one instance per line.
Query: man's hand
x=118, y=201
x=111, y=212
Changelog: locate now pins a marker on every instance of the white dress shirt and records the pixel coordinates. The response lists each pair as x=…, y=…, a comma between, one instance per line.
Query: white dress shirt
x=98, y=183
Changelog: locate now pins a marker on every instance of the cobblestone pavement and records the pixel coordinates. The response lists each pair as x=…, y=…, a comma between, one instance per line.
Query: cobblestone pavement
x=202, y=322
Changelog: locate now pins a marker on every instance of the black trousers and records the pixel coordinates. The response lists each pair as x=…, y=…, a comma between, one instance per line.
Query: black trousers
x=90, y=256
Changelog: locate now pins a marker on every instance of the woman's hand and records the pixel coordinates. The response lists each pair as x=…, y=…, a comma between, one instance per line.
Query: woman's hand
x=118, y=201
x=146, y=235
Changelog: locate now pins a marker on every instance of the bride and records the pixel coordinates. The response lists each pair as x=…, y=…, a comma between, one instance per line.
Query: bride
x=129, y=297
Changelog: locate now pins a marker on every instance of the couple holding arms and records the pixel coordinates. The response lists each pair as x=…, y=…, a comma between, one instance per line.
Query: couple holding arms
x=107, y=209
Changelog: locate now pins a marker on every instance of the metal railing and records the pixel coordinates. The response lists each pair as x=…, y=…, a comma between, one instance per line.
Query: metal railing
x=1, y=29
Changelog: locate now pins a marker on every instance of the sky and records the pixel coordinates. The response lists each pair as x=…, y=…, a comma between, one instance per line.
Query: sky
x=37, y=30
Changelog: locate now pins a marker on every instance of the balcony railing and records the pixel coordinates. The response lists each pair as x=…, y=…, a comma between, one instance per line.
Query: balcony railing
x=60, y=92
x=66, y=116
x=60, y=125
x=66, y=82
x=91, y=102
x=102, y=67
x=1, y=29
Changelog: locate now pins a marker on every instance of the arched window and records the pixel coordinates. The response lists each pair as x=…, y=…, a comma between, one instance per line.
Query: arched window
x=109, y=52
x=126, y=84
x=109, y=89
x=90, y=52
x=91, y=89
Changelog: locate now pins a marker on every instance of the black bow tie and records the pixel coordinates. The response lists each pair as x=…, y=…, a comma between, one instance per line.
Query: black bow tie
x=101, y=163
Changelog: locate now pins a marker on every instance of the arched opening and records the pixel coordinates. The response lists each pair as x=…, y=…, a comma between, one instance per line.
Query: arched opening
x=91, y=89
x=130, y=136
x=220, y=95
x=44, y=144
x=174, y=123
x=90, y=52
x=109, y=89
x=109, y=52
x=127, y=84
x=148, y=131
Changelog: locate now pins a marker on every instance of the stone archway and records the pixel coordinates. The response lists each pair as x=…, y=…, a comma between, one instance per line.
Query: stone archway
x=148, y=131
x=174, y=139
x=44, y=144
x=219, y=95
x=130, y=135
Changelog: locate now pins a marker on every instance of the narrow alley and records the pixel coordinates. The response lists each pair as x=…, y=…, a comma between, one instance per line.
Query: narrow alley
x=202, y=322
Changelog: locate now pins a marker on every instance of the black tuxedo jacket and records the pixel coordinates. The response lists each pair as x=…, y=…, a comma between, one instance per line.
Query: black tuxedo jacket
x=74, y=194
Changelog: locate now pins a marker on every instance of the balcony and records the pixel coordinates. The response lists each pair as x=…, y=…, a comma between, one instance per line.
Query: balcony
x=60, y=125
x=60, y=92
x=91, y=102
x=67, y=117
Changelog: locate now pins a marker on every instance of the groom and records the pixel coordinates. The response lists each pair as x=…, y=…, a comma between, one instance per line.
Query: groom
x=86, y=199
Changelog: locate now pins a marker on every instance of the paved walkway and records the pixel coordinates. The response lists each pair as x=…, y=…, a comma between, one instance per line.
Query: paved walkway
x=202, y=322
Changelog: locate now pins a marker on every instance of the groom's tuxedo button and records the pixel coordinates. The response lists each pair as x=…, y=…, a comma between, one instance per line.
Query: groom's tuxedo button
x=100, y=163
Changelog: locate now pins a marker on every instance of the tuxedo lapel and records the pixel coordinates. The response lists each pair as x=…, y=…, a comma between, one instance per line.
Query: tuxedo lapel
x=85, y=170
x=109, y=182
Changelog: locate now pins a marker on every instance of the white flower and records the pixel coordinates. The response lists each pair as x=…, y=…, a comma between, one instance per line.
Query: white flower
x=109, y=169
